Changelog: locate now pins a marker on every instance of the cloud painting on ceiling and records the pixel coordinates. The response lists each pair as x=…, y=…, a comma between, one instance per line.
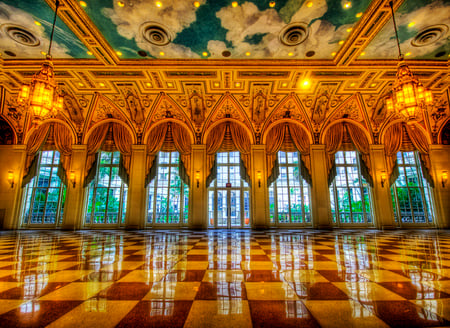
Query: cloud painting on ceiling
x=299, y=29
x=25, y=28
x=423, y=28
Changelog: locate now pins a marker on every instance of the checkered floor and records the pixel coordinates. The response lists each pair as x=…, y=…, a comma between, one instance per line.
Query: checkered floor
x=220, y=278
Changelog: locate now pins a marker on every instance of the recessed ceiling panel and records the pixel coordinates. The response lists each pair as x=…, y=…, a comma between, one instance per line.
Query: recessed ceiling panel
x=218, y=29
x=25, y=28
x=423, y=28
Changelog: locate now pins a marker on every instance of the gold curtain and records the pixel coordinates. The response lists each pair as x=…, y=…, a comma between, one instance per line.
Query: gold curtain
x=242, y=143
x=154, y=144
x=35, y=142
x=123, y=142
x=183, y=145
x=392, y=143
x=215, y=139
x=361, y=143
x=94, y=143
x=333, y=141
x=274, y=141
x=420, y=142
x=301, y=142
x=63, y=142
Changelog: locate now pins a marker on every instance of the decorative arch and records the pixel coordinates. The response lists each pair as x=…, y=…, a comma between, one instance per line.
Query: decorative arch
x=290, y=121
x=225, y=120
x=107, y=121
x=163, y=109
x=227, y=109
x=414, y=125
x=444, y=134
x=296, y=114
x=8, y=135
x=104, y=110
x=344, y=120
x=175, y=121
x=35, y=128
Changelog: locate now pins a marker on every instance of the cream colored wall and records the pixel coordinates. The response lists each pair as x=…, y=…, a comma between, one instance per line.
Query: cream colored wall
x=13, y=158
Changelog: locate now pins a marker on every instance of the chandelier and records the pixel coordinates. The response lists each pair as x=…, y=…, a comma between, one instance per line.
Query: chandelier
x=41, y=97
x=409, y=97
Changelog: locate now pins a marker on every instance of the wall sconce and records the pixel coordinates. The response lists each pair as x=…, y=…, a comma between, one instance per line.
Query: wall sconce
x=11, y=178
x=197, y=178
x=444, y=178
x=72, y=178
x=258, y=176
x=383, y=178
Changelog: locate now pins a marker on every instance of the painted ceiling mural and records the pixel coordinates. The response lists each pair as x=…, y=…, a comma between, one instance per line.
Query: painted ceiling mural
x=218, y=29
x=25, y=27
x=311, y=61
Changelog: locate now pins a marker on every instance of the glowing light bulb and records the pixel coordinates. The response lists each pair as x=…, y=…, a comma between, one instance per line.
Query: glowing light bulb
x=196, y=4
x=83, y=4
x=37, y=23
x=309, y=4
x=120, y=3
x=347, y=5
x=234, y=4
x=158, y=4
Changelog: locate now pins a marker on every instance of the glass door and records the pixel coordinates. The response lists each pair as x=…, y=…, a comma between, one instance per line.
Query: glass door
x=228, y=209
x=228, y=195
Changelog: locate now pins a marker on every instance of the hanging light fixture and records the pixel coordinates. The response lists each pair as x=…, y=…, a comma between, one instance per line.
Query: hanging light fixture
x=409, y=95
x=41, y=97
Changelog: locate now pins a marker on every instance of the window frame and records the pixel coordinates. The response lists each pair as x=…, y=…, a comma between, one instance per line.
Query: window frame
x=334, y=193
x=184, y=215
x=33, y=184
x=301, y=185
x=94, y=185
x=243, y=189
x=427, y=200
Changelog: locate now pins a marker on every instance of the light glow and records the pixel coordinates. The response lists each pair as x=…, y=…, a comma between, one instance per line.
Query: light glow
x=234, y=4
x=196, y=4
x=37, y=23
x=158, y=4
x=83, y=4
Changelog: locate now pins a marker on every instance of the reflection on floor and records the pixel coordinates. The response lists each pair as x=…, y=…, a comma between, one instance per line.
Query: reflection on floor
x=220, y=278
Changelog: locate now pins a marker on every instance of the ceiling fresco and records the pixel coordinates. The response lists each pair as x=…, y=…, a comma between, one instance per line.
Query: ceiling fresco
x=423, y=27
x=219, y=29
x=25, y=28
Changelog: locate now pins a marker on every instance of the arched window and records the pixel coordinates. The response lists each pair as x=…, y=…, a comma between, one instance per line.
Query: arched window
x=168, y=195
x=349, y=192
x=107, y=196
x=45, y=193
x=289, y=194
x=411, y=194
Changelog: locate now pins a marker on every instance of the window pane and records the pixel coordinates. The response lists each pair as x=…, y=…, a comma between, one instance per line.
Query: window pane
x=349, y=193
x=289, y=195
x=168, y=197
x=411, y=194
x=107, y=193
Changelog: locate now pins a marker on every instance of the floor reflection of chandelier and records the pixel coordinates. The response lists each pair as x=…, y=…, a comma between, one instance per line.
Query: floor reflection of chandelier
x=409, y=97
x=41, y=97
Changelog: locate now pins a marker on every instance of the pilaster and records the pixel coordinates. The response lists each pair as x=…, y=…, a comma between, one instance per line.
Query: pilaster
x=136, y=199
x=198, y=198
x=320, y=197
x=259, y=194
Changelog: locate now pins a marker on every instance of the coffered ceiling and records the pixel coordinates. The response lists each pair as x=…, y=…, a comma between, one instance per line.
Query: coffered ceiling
x=220, y=47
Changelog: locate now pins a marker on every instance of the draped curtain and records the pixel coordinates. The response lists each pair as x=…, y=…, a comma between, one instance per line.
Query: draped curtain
x=63, y=143
x=94, y=143
x=393, y=143
x=276, y=140
x=34, y=144
x=333, y=142
x=241, y=143
x=123, y=141
x=181, y=142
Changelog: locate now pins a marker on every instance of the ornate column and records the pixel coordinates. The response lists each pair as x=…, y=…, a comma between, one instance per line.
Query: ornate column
x=320, y=197
x=440, y=159
x=259, y=194
x=75, y=196
x=383, y=212
x=136, y=210
x=198, y=197
x=12, y=158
